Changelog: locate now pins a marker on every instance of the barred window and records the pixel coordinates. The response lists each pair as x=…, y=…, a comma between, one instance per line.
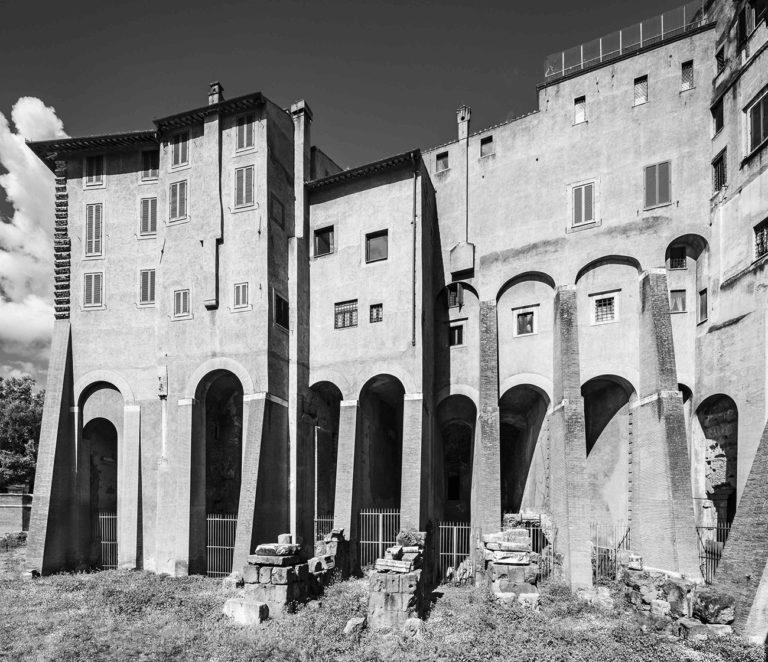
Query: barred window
x=147, y=286
x=281, y=312
x=276, y=210
x=150, y=164
x=180, y=149
x=456, y=335
x=244, y=186
x=719, y=172
x=441, y=162
x=583, y=204
x=604, y=309
x=758, y=122
x=486, y=146
x=579, y=110
x=93, y=290
x=94, y=230
x=761, y=239
x=148, y=223
x=94, y=170
x=686, y=82
x=677, y=302
x=377, y=246
x=376, y=313
x=245, y=131
x=455, y=295
x=658, y=187
x=178, y=201
x=241, y=295
x=324, y=241
x=641, y=90
x=181, y=303
x=345, y=314
x=678, y=258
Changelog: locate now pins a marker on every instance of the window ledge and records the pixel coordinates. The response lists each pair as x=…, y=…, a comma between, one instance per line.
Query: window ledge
x=240, y=309
x=660, y=206
x=245, y=150
x=322, y=255
x=583, y=226
x=88, y=309
x=181, y=318
x=754, y=153
x=580, y=123
x=242, y=208
x=678, y=312
x=487, y=156
x=146, y=237
x=153, y=180
x=525, y=335
x=604, y=323
x=642, y=103
x=177, y=221
x=179, y=168
x=688, y=89
x=280, y=327
x=444, y=170
x=144, y=306
x=93, y=258
x=89, y=187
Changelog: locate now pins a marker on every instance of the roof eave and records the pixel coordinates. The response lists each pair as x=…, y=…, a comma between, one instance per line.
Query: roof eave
x=390, y=163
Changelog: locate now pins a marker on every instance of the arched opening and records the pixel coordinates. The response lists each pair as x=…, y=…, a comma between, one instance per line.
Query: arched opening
x=522, y=413
x=456, y=418
x=100, y=438
x=217, y=450
x=380, y=431
x=718, y=417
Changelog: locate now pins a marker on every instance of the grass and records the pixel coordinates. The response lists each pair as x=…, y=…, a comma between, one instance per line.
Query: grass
x=118, y=615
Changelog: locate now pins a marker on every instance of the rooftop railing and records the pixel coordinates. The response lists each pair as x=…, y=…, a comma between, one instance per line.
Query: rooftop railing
x=658, y=29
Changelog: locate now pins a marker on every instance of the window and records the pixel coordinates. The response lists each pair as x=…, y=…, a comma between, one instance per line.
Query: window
x=455, y=295
x=746, y=23
x=93, y=290
x=525, y=323
x=686, y=81
x=147, y=286
x=456, y=335
x=758, y=122
x=245, y=131
x=94, y=230
x=703, y=310
x=720, y=60
x=281, y=311
x=244, y=186
x=583, y=204
x=641, y=90
x=324, y=241
x=657, y=185
x=181, y=303
x=94, y=170
x=150, y=164
x=441, y=162
x=717, y=117
x=345, y=314
x=604, y=309
x=148, y=221
x=180, y=149
x=678, y=258
x=677, y=301
x=178, y=201
x=719, y=172
x=276, y=210
x=579, y=110
x=486, y=146
x=761, y=239
x=377, y=313
x=376, y=246
x=241, y=295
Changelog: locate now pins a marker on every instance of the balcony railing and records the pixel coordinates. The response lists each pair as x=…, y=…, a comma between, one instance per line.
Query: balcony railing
x=658, y=29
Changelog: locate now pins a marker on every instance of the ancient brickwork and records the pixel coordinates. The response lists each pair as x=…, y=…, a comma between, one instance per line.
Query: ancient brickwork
x=61, y=245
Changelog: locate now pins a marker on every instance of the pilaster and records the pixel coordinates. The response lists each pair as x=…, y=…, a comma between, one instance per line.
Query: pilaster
x=415, y=471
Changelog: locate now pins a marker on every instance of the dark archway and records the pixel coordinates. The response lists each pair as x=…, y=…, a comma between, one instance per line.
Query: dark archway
x=522, y=411
x=100, y=440
x=323, y=407
x=606, y=401
x=456, y=418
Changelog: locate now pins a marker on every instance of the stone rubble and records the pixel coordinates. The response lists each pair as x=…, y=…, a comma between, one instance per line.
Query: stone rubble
x=509, y=567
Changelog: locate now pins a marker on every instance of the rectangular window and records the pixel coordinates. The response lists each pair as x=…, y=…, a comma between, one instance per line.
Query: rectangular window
x=94, y=170
x=94, y=230
x=641, y=90
x=525, y=323
x=758, y=122
x=455, y=295
x=281, y=311
x=181, y=303
x=678, y=258
x=241, y=295
x=147, y=286
x=178, y=201
x=703, y=309
x=686, y=81
x=604, y=309
x=677, y=301
x=150, y=164
x=720, y=60
x=583, y=204
x=276, y=210
x=761, y=239
x=658, y=189
x=245, y=131
x=180, y=149
x=345, y=314
x=441, y=162
x=719, y=172
x=376, y=313
x=244, y=186
x=324, y=241
x=456, y=335
x=93, y=290
x=377, y=246
x=746, y=23
x=486, y=146
x=148, y=221
x=579, y=110
x=717, y=117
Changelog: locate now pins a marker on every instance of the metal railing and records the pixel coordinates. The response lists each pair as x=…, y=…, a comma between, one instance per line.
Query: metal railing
x=712, y=540
x=323, y=526
x=378, y=530
x=608, y=542
x=454, y=543
x=219, y=543
x=651, y=31
x=108, y=539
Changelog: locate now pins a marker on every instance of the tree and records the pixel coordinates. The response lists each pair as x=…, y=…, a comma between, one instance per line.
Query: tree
x=21, y=411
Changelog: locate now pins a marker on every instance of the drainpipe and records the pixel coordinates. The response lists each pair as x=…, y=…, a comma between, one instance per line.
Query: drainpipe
x=413, y=224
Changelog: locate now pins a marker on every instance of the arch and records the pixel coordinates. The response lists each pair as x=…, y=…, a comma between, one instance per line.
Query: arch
x=626, y=260
x=694, y=244
x=466, y=286
x=323, y=405
x=456, y=419
x=538, y=276
x=213, y=365
x=685, y=391
x=458, y=389
x=329, y=375
x=539, y=382
x=114, y=379
x=605, y=396
x=386, y=375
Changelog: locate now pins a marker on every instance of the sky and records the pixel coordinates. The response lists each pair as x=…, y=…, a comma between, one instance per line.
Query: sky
x=381, y=77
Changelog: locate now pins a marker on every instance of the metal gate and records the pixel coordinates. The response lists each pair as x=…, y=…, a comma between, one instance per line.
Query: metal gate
x=608, y=541
x=219, y=543
x=711, y=542
x=108, y=538
x=378, y=530
x=323, y=526
x=453, y=544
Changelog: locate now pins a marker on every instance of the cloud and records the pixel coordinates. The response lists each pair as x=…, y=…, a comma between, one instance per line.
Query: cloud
x=26, y=239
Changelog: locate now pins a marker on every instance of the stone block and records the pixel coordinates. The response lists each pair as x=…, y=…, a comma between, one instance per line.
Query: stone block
x=713, y=606
x=277, y=550
x=251, y=574
x=320, y=548
x=377, y=581
x=392, y=580
x=515, y=535
x=409, y=582
x=281, y=575
x=234, y=580
x=493, y=537
x=513, y=573
x=246, y=611
x=506, y=586
x=660, y=608
x=259, y=559
x=332, y=547
x=315, y=564
x=528, y=599
x=265, y=574
x=328, y=561
x=272, y=593
x=512, y=558
x=355, y=626
x=693, y=630
x=677, y=593
x=409, y=538
x=285, y=539
x=302, y=571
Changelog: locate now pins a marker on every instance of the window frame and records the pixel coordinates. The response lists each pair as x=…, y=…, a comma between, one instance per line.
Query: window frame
x=583, y=186
x=151, y=179
x=315, y=232
x=760, y=229
x=692, y=86
x=251, y=132
x=718, y=106
x=599, y=296
x=153, y=301
x=485, y=141
x=459, y=326
x=671, y=258
x=276, y=296
x=181, y=315
x=720, y=160
x=375, y=235
x=458, y=289
x=685, y=301
x=352, y=309
x=178, y=219
x=245, y=303
x=148, y=234
x=639, y=80
x=525, y=310
x=371, y=308
x=438, y=157
x=699, y=318
x=721, y=62
x=657, y=204
x=88, y=255
x=93, y=306
x=101, y=183
x=757, y=102
x=180, y=137
x=580, y=103
x=245, y=204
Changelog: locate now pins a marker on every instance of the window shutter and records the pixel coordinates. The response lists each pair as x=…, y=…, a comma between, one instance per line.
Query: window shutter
x=184, y=148
x=664, y=190
x=177, y=303
x=144, y=294
x=88, y=290
x=185, y=302
x=152, y=286
x=182, y=199
x=589, y=203
x=578, y=192
x=174, y=202
x=240, y=132
x=153, y=215
x=249, y=186
x=145, y=216
x=89, y=229
x=97, y=289
x=239, y=184
x=97, y=230
x=650, y=186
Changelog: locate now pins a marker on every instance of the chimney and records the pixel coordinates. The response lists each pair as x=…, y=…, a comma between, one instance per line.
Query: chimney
x=216, y=93
x=462, y=117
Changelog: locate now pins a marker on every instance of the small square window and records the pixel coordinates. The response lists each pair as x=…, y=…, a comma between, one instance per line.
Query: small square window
x=245, y=131
x=686, y=78
x=180, y=149
x=658, y=187
x=377, y=246
x=93, y=290
x=345, y=314
x=583, y=204
x=94, y=170
x=677, y=302
x=177, y=202
x=146, y=287
x=377, y=313
x=241, y=295
x=761, y=239
x=719, y=172
x=148, y=220
x=150, y=164
x=276, y=210
x=720, y=60
x=244, y=186
x=456, y=335
x=717, y=117
x=678, y=258
x=579, y=110
x=281, y=311
x=324, y=241
x=455, y=295
x=641, y=90
x=441, y=162
x=486, y=146
x=604, y=309
x=703, y=306
x=181, y=303
x=525, y=323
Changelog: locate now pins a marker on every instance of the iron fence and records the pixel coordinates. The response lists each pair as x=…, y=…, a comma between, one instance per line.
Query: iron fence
x=219, y=543
x=378, y=530
x=323, y=526
x=608, y=543
x=454, y=545
x=711, y=542
x=108, y=539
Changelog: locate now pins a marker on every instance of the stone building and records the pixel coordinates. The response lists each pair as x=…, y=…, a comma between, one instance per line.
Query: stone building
x=564, y=313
